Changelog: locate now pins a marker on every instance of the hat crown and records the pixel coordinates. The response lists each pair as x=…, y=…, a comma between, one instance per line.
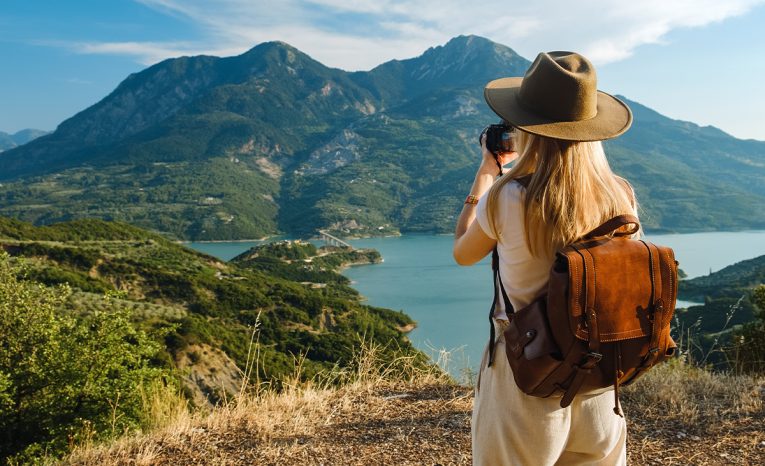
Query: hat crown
x=561, y=86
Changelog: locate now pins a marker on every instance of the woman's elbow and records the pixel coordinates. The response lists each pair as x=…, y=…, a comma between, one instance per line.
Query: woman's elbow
x=461, y=258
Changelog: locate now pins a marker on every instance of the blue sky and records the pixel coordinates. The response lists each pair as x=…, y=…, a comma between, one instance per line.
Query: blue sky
x=696, y=60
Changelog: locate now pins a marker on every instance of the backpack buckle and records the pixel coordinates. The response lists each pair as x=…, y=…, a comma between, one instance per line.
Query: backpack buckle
x=594, y=357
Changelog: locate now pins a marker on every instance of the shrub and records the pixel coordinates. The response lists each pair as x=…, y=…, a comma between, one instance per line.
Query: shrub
x=63, y=379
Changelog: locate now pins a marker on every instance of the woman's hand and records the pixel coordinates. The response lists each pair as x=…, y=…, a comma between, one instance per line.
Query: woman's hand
x=489, y=163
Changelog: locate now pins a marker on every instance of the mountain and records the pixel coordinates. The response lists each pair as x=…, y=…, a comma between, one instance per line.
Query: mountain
x=6, y=141
x=194, y=108
x=9, y=141
x=273, y=141
x=689, y=177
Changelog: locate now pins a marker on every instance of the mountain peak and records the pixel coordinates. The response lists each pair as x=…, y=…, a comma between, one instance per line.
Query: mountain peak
x=465, y=60
x=271, y=45
x=470, y=40
x=275, y=53
x=472, y=44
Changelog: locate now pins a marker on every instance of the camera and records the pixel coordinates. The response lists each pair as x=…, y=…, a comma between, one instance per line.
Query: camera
x=499, y=138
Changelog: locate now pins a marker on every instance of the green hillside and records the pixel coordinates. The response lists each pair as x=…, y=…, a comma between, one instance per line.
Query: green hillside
x=729, y=281
x=102, y=322
x=729, y=309
x=272, y=141
x=301, y=307
x=218, y=198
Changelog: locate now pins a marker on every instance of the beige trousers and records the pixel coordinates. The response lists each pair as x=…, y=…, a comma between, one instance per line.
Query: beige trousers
x=514, y=429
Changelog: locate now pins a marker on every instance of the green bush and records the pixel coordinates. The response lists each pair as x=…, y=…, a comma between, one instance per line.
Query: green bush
x=64, y=379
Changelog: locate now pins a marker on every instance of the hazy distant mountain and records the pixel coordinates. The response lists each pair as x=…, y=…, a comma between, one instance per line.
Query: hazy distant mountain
x=9, y=141
x=6, y=141
x=272, y=140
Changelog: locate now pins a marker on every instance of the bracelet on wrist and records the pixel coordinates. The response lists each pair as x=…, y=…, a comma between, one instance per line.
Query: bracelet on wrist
x=471, y=199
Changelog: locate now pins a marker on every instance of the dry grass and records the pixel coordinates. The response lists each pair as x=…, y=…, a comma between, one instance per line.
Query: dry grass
x=397, y=413
x=306, y=422
x=680, y=414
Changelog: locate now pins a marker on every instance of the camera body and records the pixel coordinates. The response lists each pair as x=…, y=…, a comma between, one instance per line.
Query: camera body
x=499, y=138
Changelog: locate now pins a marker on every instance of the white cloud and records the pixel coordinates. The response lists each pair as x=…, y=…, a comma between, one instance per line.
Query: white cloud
x=145, y=52
x=361, y=34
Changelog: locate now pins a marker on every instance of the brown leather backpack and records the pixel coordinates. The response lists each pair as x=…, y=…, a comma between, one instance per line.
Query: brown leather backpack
x=604, y=320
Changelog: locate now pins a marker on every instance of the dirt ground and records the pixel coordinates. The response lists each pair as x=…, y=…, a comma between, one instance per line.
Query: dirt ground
x=422, y=425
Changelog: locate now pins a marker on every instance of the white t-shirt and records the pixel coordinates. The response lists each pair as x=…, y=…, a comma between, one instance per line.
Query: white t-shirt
x=524, y=276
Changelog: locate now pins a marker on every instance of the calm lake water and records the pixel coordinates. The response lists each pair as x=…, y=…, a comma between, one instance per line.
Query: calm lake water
x=450, y=303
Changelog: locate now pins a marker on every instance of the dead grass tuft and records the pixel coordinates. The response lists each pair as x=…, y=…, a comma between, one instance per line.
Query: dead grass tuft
x=693, y=394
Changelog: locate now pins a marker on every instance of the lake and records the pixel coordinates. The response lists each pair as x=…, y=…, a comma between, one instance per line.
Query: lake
x=450, y=303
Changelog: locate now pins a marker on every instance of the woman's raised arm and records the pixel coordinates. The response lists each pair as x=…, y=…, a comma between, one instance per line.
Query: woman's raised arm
x=471, y=243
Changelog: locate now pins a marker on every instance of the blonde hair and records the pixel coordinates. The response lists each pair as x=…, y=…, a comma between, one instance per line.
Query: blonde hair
x=572, y=190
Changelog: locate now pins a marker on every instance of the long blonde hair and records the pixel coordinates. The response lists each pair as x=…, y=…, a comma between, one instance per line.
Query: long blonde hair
x=572, y=190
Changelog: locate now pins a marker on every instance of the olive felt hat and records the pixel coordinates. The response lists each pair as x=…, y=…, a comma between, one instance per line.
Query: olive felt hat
x=558, y=98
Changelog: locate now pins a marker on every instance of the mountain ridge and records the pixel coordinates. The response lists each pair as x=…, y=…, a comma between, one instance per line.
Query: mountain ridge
x=274, y=141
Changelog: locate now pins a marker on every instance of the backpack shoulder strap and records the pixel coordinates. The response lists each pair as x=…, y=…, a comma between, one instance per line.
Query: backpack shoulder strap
x=499, y=290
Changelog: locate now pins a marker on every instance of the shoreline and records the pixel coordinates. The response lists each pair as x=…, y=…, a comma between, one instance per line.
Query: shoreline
x=377, y=294
x=347, y=265
x=265, y=238
x=658, y=231
x=407, y=328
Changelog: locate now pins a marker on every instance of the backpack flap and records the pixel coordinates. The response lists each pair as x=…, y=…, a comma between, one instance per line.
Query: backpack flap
x=621, y=279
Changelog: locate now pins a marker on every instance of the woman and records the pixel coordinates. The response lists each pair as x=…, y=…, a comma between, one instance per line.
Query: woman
x=559, y=118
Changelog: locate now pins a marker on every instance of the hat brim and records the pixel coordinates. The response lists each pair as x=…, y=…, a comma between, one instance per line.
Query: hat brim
x=613, y=117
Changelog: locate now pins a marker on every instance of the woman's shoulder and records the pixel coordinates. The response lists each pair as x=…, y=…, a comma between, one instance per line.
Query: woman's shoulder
x=509, y=197
x=513, y=190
